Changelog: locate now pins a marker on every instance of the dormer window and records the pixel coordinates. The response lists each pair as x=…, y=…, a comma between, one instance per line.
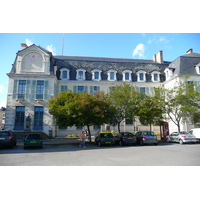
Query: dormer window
x=168, y=73
x=96, y=75
x=126, y=75
x=141, y=76
x=155, y=76
x=197, y=68
x=112, y=75
x=64, y=74
x=80, y=74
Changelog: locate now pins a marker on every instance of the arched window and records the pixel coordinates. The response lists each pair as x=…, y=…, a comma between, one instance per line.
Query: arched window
x=155, y=76
x=112, y=75
x=80, y=74
x=64, y=74
x=96, y=74
x=127, y=75
x=141, y=76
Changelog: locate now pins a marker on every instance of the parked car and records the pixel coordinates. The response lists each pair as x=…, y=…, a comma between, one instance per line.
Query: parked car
x=146, y=137
x=7, y=138
x=181, y=137
x=33, y=140
x=196, y=133
x=104, y=139
x=124, y=138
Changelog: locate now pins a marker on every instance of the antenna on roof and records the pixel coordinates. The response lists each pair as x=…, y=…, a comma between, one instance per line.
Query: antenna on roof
x=63, y=38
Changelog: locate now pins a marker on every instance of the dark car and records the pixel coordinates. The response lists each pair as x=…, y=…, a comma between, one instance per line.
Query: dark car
x=7, y=138
x=124, y=138
x=105, y=138
x=33, y=140
x=146, y=137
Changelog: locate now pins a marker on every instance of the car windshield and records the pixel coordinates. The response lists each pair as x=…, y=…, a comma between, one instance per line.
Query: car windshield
x=4, y=134
x=127, y=134
x=106, y=135
x=184, y=133
x=33, y=136
x=149, y=133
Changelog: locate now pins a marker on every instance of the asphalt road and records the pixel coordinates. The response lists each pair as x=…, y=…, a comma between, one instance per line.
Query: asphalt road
x=71, y=154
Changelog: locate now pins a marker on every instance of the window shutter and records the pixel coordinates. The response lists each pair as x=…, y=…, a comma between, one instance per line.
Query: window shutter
x=75, y=88
x=147, y=90
x=86, y=88
x=33, y=89
x=46, y=89
x=91, y=90
x=28, y=82
x=56, y=89
x=15, y=89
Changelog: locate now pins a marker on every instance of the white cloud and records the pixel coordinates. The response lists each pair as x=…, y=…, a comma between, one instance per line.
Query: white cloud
x=1, y=88
x=28, y=42
x=139, y=51
x=51, y=49
x=158, y=40
x=2, y=103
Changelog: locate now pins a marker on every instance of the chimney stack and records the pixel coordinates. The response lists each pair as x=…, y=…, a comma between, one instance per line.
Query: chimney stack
x=23, y=46
x=189, y=51
x=158, y=57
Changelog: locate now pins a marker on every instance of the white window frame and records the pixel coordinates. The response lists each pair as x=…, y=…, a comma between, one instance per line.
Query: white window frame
x=197, y=68
x=152, y=76
x=138, y=76
x=77, y=74
x=93, y=74
x=124, y=77
x=61, y=74
x=108, y=73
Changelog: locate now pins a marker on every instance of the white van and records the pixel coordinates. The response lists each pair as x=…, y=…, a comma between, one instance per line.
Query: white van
x=196, y=133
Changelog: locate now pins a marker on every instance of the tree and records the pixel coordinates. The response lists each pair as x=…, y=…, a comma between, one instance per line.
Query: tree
x=80, y=109
x=125, y=101
x=182, y=101
x=152, y=108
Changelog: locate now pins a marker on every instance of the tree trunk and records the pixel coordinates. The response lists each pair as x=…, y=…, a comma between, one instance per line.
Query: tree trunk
x=88, y=128
x=118, y=124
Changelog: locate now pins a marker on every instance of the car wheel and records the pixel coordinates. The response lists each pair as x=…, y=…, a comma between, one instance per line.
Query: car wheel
x=156, y=144
x=180, y=141
x=167, y=140
x=141, y=142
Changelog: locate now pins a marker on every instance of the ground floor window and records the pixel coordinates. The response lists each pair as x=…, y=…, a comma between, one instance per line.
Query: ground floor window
x=19, y=118
x=38, y=118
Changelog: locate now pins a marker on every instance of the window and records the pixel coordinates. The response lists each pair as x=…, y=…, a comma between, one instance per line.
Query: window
x=126, y=75
x=80, y=74
x=80, y=89
x=94, y=89
x=64, y=74
x=155, y=76
x=38, y=118
x=96, y=75
x=21, y=89
x=141, y=76
x=19, y=118
x=63, y=88
x=112, y=75
x=39, y=89
x=197, y=68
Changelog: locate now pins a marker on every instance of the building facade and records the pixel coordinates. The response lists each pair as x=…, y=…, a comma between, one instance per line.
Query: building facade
x=37, y=75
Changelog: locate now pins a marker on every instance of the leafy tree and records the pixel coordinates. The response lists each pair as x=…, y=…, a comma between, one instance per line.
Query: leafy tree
x=182, y=101
x=152, y=108
x=80, y=109
x=125, y=101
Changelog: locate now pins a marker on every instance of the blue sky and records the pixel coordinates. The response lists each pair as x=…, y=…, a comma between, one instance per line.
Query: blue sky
x=116, y=45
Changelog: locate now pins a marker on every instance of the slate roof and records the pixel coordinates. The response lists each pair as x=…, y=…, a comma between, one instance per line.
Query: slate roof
x=184, y=65
x=104, y=64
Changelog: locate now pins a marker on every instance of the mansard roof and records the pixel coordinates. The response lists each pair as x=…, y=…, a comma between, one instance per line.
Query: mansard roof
x=184, y=65
x=104, y=64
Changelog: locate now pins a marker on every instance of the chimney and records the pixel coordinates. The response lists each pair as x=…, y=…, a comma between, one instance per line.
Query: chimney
x=158, y=57
x=189, y=51
x=23, y=46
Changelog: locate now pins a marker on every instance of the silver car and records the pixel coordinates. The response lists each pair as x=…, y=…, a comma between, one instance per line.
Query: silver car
x=146, y=137
x=181, y=137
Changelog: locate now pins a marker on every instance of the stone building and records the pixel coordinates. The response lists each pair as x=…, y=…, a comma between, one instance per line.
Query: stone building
x=2, y=117
x=37, y=75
